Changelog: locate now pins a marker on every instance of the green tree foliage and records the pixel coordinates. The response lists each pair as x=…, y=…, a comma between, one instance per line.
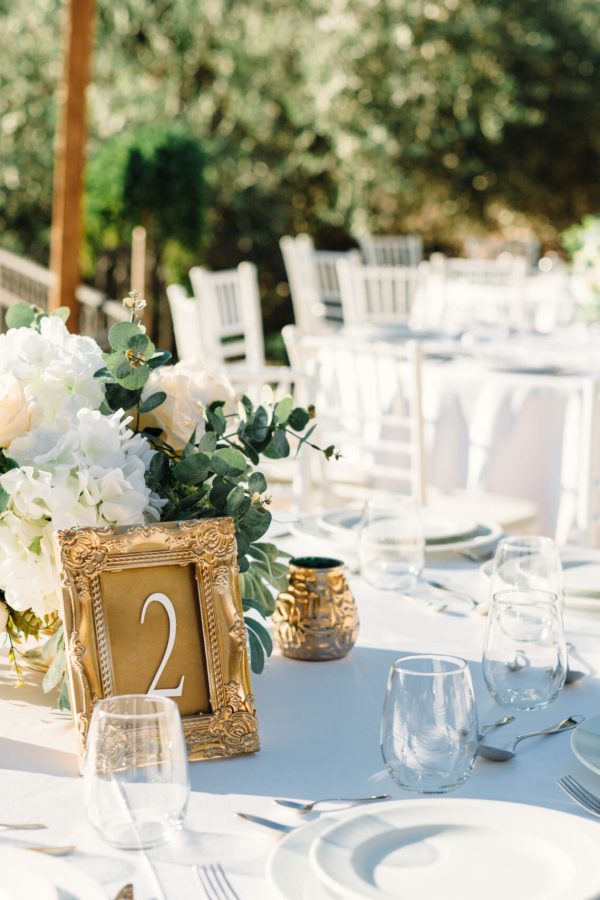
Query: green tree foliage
x=446, y=116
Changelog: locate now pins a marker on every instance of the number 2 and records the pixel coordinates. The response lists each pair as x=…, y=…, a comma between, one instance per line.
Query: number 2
x=170, y=610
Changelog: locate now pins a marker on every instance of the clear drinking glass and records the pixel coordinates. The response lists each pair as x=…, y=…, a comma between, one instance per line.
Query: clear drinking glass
x=429, y=731
x=528, y=563
x=136, y=783
x=524, y=654
x=391, y=545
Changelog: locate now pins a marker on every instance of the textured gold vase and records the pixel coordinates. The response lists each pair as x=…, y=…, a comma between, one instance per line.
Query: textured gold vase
x=316, y=618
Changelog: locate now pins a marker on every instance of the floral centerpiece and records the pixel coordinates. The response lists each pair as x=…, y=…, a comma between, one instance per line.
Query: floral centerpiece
x=121, y=438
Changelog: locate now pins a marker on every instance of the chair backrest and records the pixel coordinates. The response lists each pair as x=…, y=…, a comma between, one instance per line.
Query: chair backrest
x=392, y=250
x=229, y=308
x=476, y=291
x=187, y=324
x=494, y=248
x=369, y=405
x=378, y=295
x=313, y=281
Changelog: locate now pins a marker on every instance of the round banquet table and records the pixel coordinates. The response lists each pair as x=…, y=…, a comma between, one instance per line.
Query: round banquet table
x=319, y=728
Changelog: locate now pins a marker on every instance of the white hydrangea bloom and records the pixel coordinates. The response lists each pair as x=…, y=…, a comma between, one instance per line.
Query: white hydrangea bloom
x=76, y=466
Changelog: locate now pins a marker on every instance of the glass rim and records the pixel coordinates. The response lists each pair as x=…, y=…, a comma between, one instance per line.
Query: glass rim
x=536, y=596
x=461, y=665
x=526, y=541
x=166, y=702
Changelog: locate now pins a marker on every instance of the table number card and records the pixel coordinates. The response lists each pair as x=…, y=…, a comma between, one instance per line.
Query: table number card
x=156, y=609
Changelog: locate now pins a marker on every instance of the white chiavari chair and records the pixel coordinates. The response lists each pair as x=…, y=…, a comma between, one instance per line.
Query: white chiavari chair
x=494, y=248
x=368, y=401
x=368, y=398
x=480, y=291
x=187, y=325
x=586, y=489
x=313, y=280
x=378, y=295
x=230, y=315
x=392, y=250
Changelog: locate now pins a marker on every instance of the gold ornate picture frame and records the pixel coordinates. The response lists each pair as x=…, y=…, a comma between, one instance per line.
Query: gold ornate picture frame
x=158, y=608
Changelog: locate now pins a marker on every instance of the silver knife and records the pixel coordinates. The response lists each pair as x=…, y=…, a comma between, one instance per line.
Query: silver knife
x=267, y=823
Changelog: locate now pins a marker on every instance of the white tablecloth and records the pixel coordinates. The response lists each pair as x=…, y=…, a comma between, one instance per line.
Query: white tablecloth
x=319, y=727
x=507, y=433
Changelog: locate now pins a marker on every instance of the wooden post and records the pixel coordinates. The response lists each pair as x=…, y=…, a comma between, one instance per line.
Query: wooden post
x=69, y=157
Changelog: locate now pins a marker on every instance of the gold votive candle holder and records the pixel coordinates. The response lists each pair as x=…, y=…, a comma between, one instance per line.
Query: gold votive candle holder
x=316, y=618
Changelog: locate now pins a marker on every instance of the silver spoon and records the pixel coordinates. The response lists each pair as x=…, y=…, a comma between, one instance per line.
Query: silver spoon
x=308, y=807
x=483, y=730
x=502, y=754
x=479, y=605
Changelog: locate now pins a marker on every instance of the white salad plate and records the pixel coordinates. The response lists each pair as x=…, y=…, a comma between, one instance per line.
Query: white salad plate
x=288, y=871
x=458, y=850
x=483, y=539
x=585, y=743
x=27, y=875
x=437, y=527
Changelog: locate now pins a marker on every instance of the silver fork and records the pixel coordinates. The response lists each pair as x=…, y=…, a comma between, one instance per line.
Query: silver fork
x=214, y=882
x=580, y=795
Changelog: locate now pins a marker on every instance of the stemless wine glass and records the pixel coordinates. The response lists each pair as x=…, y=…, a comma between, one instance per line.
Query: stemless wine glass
x=391, y=545
x=528, y=563
x=524, y=654
x=136, y=784
x=429, y=730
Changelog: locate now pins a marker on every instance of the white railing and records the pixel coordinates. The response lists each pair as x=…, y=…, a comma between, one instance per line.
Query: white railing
x=23, y=281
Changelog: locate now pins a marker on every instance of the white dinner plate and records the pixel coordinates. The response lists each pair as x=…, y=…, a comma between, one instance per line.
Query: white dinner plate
x=573, y=561
x=585, y=743
x=484, y=538
x=437, y=527
x=288, y=871
x=27, y=875
x=459, y=850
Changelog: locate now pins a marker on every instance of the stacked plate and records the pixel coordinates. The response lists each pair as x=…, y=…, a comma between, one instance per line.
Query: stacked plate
x=444, y=533
x=456, y=849
x=581, y=578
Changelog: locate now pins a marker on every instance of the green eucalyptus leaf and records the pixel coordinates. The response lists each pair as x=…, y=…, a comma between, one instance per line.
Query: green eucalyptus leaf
x=243, y=543
x=61, y=312
x=193, y=470
x=159, y=359
x=238, y=502
x=279, y=447
x=121, y=333
x=298, y=419
x=4, y=498
x=208, y=442
x=257, y=654
x=103, y=374
x=229, y=461
x=215, y=419
x=257, y=483
x=256, y=522
x=243, y=563
x=20, y=315
x=152, y=401
x=305, y=437
x=136, y=378
x=219, y=493
x=119, y=397
x=140, y=343
x=56, y=671
x=64, y=702
x=247, y=604
x=159, y=468
x=261, y=632
x=283, y=409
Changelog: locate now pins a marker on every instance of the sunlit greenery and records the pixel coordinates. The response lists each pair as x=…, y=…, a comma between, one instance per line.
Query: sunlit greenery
x=444, y=116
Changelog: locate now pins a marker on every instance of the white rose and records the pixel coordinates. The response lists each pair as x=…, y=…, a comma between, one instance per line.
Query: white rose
x=15, y=410
x=188, y=392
